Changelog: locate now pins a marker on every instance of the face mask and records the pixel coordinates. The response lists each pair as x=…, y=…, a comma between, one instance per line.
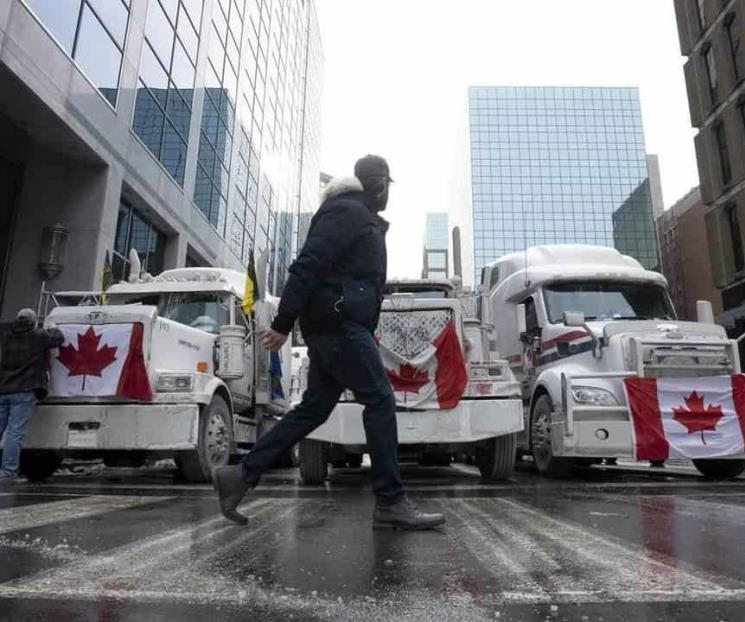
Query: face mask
x=378, y=192
x=381, y=200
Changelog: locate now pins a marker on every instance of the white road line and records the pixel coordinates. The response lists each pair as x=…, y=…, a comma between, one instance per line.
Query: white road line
x=170, y=561
x=498, y=559
x=610, y=566
x=534, y=557
x=37, y=515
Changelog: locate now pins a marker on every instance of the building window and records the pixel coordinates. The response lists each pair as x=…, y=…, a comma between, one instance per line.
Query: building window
x=733, y=224
x=133, y=231
x=711, y=72
x=724, y=163
x=701, y=8
x=733, y=34
x=165, y=87
x=218, y=115
x=92, y=32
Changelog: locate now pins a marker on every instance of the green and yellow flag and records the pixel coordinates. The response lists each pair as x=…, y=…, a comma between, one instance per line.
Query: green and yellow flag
x=107, y=277
x=251, y=287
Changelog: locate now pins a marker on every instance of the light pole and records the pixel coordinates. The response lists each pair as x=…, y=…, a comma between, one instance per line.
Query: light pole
x=52, y=259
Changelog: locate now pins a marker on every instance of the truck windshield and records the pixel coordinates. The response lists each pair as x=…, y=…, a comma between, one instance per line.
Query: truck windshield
x=206, y=312
x=607, y=300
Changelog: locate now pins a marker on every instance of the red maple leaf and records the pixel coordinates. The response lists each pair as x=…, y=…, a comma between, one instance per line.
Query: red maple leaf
x=88, y=359
x=408, y=378
x=697, y=419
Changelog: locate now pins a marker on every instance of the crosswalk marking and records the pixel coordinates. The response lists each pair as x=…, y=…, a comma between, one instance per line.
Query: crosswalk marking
x=139, y=565
x=537, y=557
x=30, y=516
x=529, y=555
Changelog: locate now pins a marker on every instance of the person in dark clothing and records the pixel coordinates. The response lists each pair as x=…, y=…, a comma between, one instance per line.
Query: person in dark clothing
x=335, y=289
x=23, y=380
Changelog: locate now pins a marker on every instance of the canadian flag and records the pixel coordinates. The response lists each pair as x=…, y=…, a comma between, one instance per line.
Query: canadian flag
x=687, y=417
x=100, y=361
x=436, y=378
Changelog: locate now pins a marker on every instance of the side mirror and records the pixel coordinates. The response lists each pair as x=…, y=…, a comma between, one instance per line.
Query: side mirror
x=575, y=319
x=704, y=312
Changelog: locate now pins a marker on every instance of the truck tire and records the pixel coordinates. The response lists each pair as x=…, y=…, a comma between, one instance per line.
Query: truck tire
x=313, y=462
x=540, y=442
x=36, y=466
x=495, y=457
x=720, y=469
x=213, y=446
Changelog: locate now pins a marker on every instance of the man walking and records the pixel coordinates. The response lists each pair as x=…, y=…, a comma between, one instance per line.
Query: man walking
x=335, y=289
x=23, y=380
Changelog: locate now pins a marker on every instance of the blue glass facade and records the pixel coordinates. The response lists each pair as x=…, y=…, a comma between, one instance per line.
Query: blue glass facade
x=165, y=90
x=92, y=32
x=552, y=165
x=436, y=245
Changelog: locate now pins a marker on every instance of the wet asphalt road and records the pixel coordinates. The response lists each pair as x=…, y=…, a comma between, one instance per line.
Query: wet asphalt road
x=615, y=544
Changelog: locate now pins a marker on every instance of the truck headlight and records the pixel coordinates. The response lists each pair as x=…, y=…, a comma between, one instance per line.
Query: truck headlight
x=592, y=396
x=172, y=383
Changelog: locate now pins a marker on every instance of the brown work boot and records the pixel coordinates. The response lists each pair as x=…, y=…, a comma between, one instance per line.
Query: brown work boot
x=402, y=513
x=231, y=487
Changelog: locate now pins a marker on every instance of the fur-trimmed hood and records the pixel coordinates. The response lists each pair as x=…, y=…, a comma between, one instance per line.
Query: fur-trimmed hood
x=340, y=185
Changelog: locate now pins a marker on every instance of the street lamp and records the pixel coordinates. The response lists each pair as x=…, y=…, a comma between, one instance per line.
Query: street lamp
x=52, y=259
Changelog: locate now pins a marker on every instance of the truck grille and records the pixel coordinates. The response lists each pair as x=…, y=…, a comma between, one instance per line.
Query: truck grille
x=409, y=333
x=687, y=362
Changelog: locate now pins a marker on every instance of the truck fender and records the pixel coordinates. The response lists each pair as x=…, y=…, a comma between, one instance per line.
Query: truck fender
x=215, y=385
x=548, y=382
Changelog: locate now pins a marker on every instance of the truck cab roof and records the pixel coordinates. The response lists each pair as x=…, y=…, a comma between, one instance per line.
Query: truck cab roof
x=538, y=265
x=186, y=280
x=425, y=288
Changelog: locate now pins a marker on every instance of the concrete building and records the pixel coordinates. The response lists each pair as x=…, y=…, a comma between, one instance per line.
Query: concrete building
x=711, y=37
x=186, y=129
x=685, y=255
x=435, y=259
x=559, y=165
x=655, y=185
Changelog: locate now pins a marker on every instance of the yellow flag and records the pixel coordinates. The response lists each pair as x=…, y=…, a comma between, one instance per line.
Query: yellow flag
x=251, y=287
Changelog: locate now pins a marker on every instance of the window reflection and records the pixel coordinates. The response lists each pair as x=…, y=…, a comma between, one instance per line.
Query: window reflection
x=92, y=32
x=133, y=230
x=167, y=67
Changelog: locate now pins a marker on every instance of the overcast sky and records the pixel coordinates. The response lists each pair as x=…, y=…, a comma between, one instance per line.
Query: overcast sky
x=397, y=73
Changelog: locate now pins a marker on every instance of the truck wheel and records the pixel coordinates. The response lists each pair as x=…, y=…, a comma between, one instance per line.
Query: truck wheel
x=36, y=466
x=540, y=442
x=720, y=469
x=213, y=446
x=495, y=457
x=313, y=462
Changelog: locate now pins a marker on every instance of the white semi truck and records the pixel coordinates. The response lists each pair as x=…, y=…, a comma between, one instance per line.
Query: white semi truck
x=487, y=418
x=574, y=322
x=168, y=367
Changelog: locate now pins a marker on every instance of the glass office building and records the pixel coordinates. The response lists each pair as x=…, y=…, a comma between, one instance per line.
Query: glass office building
x=187, y=130
x=435, y=260
x=552, y=165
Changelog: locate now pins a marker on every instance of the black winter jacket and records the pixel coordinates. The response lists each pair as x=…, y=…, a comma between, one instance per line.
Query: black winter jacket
x=340, y=272
x=23, y=359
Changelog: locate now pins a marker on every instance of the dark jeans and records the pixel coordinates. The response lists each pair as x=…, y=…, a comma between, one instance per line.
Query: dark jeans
x=347, y=359
x=15, y=411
